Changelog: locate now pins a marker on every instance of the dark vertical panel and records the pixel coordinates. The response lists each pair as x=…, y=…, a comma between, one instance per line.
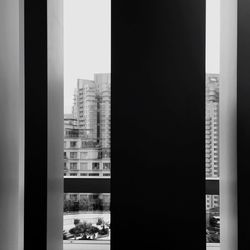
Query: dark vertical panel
x=158, y=113
x=35, y=203
x=243, y=113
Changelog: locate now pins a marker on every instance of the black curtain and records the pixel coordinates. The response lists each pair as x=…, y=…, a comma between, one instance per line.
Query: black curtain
x=158, y=125
x=35, y=198
x=243, y=123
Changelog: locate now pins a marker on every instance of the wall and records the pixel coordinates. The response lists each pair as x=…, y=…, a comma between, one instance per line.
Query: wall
x=55, y=125
x=228, y=126
x=12, y=124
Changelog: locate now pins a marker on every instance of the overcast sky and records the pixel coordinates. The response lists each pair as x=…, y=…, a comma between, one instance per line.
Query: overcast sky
x=212, y=36
x=87, y=41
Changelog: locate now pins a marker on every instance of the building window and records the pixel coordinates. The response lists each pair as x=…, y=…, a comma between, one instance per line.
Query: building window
x=83, y=155
x=94, y=174
x=83, y=166
x=73, y=166
x=95, y=166
x=106, y=166
x=73, y=144
x=73, y=174
x=73, y=155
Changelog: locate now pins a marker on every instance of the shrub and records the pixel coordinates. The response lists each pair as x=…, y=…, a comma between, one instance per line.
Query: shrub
x=100, y=221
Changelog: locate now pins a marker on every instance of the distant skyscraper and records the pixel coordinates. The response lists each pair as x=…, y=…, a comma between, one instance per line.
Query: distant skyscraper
x=92, y=110
x=212, y=125
x=85, y=108
x=103, y=86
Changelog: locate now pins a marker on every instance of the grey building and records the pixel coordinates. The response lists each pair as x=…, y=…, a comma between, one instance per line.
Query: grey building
x=212, y=125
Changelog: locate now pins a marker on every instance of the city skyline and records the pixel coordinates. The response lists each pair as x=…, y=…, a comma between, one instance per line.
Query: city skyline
x=87, y=22
x=87, y=129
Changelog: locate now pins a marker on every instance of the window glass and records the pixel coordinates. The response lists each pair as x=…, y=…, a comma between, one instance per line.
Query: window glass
x=73, y=144
x=87, y=123
x=212, y=139
x=83, y=166
x=73, y=155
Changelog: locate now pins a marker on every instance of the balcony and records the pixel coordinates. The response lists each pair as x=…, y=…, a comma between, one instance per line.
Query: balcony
x=96, y=170
x=85, y=174
x=75, y=136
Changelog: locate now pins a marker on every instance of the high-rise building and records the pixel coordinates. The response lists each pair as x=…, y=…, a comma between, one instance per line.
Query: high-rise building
x=212, y=125
x=103, y=87
x=87, y=130
x=85, y=107
x=92, y=109
x=81, y=156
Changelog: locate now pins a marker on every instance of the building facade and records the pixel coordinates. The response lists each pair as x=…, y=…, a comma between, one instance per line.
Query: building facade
x=92, y=110
x=87, y=201
x=212, y=201
x=212, y=125
x=85, y=107
x=87, y=129
x=103, y=87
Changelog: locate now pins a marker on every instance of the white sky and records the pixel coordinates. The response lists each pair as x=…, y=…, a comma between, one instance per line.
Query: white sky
x=212, y=36
x=87, y=41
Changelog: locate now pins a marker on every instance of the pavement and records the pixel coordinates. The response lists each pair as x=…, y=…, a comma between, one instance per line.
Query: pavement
x=86, y=246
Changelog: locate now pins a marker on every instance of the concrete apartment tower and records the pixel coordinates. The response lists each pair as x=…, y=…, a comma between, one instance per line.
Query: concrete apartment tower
x=92, y=110
x=212, y=134
x=103, y=87
x=85, y=108
x=212, y=125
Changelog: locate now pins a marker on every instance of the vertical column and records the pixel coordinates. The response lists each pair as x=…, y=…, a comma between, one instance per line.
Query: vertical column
x=12, y=124
x=35, y=200
x=55, y=126
x=43, y=214
x=243, y=118
x=228, y=127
